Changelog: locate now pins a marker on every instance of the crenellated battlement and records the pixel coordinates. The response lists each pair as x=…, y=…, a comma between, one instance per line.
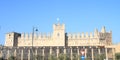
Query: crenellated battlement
x=95, y=34
x=58, y=26
x=35, y=36
x=83, y=35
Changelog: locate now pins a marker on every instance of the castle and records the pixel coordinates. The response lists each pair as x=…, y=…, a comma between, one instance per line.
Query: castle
x=60, y=38
x=60, y=42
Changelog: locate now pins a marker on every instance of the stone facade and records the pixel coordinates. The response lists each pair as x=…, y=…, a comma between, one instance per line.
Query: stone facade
x=60, y=42
x=60, y=38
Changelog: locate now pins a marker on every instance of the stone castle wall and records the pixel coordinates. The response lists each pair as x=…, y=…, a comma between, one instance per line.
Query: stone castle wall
x=39, y=38
x=92, y=39
x=59, y=38
x=47, y=40
x=82, y=39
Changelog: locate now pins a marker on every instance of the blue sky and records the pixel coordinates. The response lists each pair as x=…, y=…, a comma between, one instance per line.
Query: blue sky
x=77, y=15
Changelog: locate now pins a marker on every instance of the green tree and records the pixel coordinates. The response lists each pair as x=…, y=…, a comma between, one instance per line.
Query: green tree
x=12, y=58
x=66, y=57
x=117, y=56
x=52, y=57
x=38, y=57
x=75, y=57
x=63, y=57
x=97, y=57
x=100, y=57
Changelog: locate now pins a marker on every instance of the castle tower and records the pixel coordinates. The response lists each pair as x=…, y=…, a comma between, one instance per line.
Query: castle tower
x=59, y=33
x=12, y=39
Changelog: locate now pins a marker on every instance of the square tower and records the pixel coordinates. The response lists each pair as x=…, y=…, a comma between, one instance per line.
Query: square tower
x=12, y=39
x=59, y=34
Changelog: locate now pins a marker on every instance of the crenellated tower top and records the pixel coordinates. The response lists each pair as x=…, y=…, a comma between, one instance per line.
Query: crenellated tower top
x=58, y=26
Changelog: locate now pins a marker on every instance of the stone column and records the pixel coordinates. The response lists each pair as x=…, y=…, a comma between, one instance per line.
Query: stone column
x=64, y=53
x=85, y=52
x=15, y=53
x=57, y=52
x=36, y=53
x=22, y=54
x=8, y=54
x=106, y=53
x=43, y=53
x=99, y=51
x=113, y=51
x=29, y=54
x=92, y=54
x=64, y=50
x=78, y=53
x=1, y=54
x=50, y=50
x=71, y=54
